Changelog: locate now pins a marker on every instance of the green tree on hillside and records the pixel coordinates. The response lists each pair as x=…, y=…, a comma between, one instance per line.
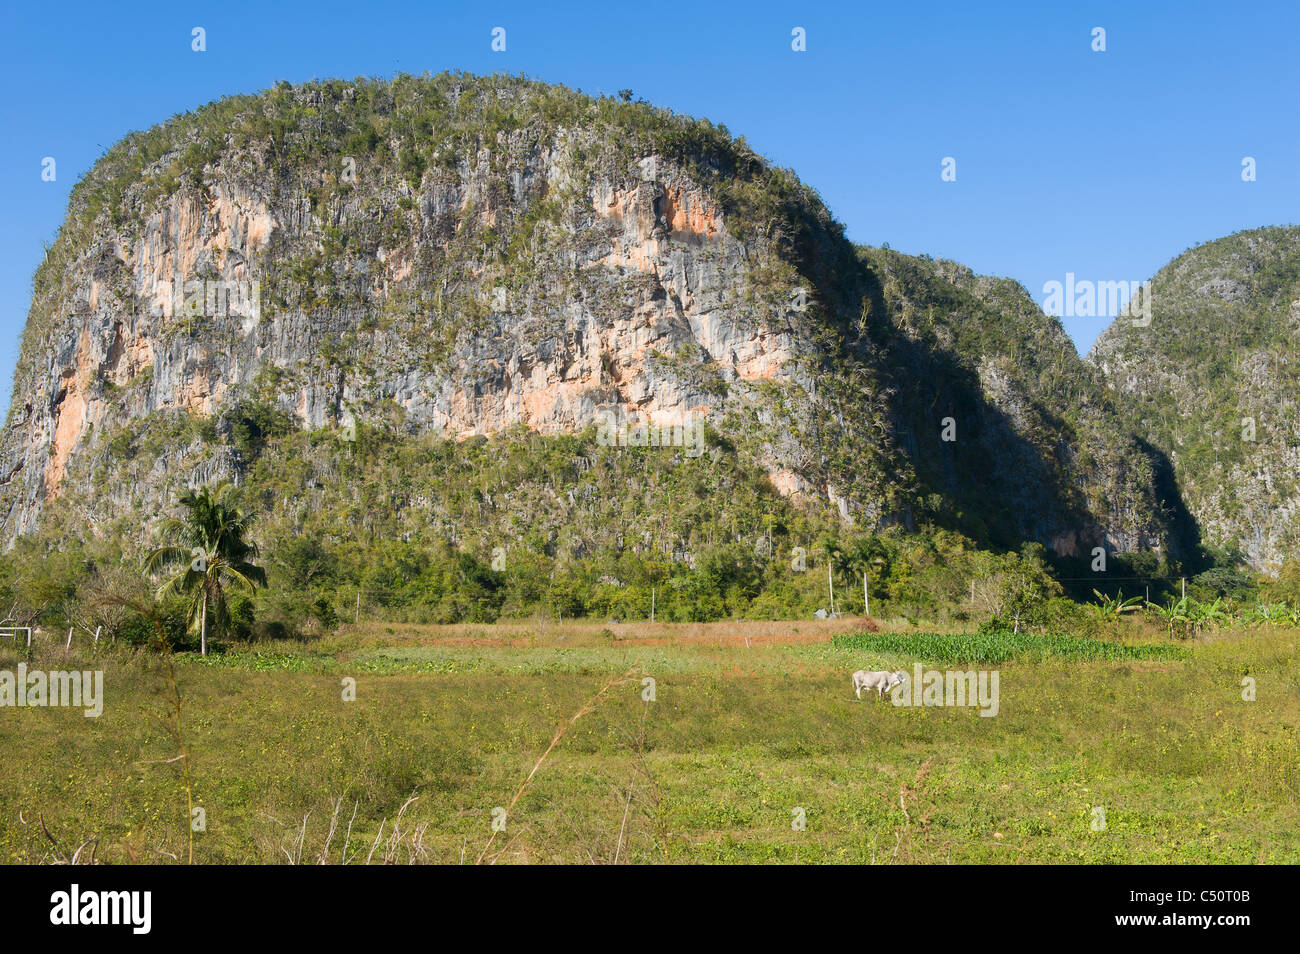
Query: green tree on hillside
x=210, y=547
x=868, y=555
x=837, y=561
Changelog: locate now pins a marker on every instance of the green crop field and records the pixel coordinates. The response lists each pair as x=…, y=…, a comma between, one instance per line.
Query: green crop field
x=753, y=749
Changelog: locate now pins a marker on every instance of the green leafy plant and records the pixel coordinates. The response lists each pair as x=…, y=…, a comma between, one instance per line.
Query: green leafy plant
x=213, y=555
x=1176, y=614
x=1114, y=608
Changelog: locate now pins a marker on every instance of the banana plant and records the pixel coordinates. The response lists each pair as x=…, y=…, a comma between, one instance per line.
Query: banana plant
x=1114, y=608
x=1176, y=613
x=1201, y=615
x=1271, y=613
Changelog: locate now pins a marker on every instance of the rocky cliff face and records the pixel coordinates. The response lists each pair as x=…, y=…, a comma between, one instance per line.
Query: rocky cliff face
x=457, y=256
x=1214, y=382
x=1041, y=453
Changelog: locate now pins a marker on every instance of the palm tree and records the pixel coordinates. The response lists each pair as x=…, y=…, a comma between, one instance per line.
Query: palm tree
x=213, y=555
x=866, y=553
x=836, y=559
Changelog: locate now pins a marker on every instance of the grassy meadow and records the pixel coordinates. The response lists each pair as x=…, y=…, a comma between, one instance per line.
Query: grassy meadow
x=754, y=749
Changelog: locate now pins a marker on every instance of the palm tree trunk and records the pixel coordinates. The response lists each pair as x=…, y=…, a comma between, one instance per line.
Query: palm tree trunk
x=830, y=580
x=203, y=625
x=866, y=597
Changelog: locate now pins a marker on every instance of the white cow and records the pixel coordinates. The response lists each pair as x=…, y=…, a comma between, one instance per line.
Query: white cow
x=882, y=681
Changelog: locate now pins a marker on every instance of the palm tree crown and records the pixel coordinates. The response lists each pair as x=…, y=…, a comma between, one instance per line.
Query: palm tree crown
x=210, y=548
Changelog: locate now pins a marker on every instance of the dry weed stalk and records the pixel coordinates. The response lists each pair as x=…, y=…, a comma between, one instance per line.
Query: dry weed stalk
x=640, y=766
x=905, y=790
x=588, y=707
x=59, y=855
x=390, y=849
x=175, y=703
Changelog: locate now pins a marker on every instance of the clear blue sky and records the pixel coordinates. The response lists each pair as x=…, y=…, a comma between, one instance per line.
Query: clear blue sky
x=1068, y=160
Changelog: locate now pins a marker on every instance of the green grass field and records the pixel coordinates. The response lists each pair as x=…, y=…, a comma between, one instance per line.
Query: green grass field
x=753, y=727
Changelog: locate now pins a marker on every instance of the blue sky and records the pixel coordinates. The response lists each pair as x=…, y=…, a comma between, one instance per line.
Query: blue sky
x=1068, y=160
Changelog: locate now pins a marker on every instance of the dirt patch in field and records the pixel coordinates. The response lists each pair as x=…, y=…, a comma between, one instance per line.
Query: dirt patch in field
x=728, y=642
x=1157, y=665
x=528, y=634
